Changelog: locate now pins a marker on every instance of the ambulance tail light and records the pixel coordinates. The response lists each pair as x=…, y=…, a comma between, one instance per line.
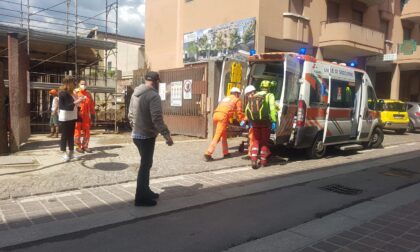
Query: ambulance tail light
x=301, y=113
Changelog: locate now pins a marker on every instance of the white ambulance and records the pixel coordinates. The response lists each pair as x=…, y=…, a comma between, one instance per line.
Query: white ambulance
x=320, y=103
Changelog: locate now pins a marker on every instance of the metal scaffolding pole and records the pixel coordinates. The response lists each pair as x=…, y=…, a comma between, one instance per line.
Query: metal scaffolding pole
x=76, y=73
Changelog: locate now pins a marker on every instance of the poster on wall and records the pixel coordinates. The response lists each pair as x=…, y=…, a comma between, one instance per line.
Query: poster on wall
x=176, y=94
x=187, y=89
x=223, y=40
x=162, y=91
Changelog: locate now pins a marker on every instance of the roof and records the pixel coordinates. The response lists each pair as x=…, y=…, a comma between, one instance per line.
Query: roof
x=58, y=38
x=119, y=37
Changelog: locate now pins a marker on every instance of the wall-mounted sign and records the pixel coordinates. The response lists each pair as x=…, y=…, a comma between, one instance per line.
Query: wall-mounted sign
x=176, y=94
x=223, y=40
x=408, y=47
x=162, y=91
x=390, y=57
x=187, y=89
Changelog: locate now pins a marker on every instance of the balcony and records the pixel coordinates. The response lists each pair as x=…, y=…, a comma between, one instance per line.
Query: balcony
x=295, y=27
x=343, y=39
x=411, y=11
x=409, y=62
x=372, y=2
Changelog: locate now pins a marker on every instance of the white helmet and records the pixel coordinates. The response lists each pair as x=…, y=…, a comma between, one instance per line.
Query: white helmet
x=249, y=89
x=235, y=90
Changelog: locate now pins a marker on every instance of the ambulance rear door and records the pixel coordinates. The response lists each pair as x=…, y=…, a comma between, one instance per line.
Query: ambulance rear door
x=289, y=98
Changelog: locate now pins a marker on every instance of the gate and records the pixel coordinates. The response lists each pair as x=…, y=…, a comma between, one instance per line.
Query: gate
x=185, y=103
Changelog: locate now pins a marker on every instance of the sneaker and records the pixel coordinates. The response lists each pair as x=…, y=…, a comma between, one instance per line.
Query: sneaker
x=66, y=157
x=87, y=150
x=145, y=202
x=227, y=155
x=80, y=150
x=72, y=156
x=208, y=158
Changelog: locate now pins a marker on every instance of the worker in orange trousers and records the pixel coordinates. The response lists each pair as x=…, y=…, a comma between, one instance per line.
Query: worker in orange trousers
x=229, y=108
x=86, y=114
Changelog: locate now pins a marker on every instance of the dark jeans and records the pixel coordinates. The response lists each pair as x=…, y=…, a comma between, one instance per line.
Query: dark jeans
x=146, y=149
x=67, y=135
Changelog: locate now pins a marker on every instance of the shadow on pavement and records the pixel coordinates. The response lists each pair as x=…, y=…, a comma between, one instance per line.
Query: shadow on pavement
x=36, y=145
x=178, y=191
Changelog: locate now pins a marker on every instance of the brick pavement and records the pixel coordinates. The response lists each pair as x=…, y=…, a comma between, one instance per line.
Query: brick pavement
x=394, y=231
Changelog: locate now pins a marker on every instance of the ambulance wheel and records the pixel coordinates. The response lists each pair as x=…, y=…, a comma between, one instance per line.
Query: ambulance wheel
x=376, y=139
x=318, y=148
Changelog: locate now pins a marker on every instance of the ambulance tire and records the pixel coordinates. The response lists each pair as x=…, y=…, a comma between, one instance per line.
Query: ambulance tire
x=376, y=139
x=318, y=148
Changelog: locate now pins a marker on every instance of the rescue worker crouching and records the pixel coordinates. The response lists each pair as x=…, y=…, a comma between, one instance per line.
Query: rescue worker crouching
x=261, y=112
x=230, y=107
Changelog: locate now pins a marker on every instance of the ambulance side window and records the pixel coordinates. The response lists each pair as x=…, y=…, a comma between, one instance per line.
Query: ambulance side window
x=342, y=94
x=319, y=91
x=371, y=99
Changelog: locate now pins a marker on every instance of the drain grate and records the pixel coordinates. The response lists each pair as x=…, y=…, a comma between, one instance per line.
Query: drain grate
x=396, y=172
x=341, y=189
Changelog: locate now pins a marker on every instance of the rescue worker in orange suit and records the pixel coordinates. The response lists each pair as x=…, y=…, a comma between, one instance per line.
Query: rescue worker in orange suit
x=86, y=115
x=262, y=127
x=229, y=108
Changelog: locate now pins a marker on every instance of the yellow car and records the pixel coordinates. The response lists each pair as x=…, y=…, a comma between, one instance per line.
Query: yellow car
x=394, y=115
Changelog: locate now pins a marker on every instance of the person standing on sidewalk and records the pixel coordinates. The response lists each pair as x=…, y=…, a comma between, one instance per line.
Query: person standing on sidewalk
x=230, y=107
x=54, y=113
x=86, y=114
x=146, y=120
x=67, y=116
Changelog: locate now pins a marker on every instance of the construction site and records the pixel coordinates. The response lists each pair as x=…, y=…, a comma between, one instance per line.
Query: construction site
x=39, y=46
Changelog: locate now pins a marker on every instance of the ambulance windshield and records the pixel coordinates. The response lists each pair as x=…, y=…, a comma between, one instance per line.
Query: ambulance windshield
x=271, y=71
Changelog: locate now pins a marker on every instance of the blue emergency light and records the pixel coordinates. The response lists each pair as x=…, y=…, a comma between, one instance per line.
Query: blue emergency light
x=302, y=50
x=353, y=64
x=252, y=52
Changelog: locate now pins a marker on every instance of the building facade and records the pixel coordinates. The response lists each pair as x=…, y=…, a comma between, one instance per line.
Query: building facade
x=380, y=36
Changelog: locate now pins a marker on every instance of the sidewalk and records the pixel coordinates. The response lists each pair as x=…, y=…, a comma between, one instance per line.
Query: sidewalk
x=39, y=168
x=388, y=223
x=38, y=217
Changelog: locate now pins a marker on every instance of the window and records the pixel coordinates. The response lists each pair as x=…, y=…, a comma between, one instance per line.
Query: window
x=296, y=6
x=371, y=99
x=385, y=28
x=357, y=17
x=333, y=9
x=109, y=66
x=407, y=33
x=342, y=94
x=272, y=71
x=319, y=90
x=409, y=106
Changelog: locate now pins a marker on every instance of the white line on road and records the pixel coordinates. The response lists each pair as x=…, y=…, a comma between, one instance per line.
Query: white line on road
x=409, y=144
x=232, y=170
x=391, y=147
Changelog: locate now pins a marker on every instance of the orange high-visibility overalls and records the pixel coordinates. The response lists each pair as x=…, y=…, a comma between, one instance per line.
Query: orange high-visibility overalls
x=87, y=108
x=229, y=107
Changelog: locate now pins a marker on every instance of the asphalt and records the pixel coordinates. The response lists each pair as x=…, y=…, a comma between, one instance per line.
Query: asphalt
x=259, y=221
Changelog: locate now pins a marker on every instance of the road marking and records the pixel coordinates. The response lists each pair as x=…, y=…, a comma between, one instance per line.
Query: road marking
x=61, y=195
x=410, y=144
x=392, y=146
x=232, y=170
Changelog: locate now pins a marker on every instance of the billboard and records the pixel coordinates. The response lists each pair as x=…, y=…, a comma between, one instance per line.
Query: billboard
x=222, y=40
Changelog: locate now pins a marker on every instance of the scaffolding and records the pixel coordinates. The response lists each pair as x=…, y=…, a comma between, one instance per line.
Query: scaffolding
x=63, y=22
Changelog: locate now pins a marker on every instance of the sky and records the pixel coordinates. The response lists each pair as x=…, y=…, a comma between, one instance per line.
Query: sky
x=131, y=14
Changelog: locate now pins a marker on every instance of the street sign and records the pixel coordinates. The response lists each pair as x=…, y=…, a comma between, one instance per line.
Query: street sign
x=390, y=57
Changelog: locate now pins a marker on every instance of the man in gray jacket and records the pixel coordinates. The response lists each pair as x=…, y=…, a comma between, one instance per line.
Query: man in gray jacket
x=145, y=115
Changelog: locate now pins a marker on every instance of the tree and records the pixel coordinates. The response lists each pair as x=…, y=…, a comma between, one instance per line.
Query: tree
x=234, y=38
x=220, y=43
x=192, y=49
x=249, y=33
x=203, y=44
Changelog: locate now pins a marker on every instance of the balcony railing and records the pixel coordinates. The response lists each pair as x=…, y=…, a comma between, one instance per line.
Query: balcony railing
x=295, y=27
x=411, y=11
x=350, y=33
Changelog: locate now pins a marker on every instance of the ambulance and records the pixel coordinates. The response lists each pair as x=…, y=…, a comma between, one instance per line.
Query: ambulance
x=320, y=103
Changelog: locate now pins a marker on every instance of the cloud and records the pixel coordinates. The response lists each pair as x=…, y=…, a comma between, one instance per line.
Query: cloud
x=131, y=14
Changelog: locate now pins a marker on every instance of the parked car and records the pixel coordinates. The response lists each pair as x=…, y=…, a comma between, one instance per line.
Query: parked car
x=413, y=109
x=394, y=115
